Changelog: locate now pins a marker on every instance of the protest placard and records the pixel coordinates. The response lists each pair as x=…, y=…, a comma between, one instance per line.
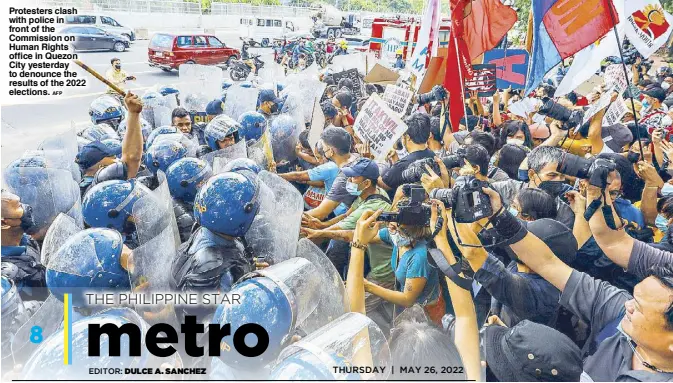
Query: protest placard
x=596, y=107
x=511, y=67
x=397, y=98
x=615, y=79
x=483, y=80
x=354, y=76
x=317, y=124
x=615, y=112
x=379, y=126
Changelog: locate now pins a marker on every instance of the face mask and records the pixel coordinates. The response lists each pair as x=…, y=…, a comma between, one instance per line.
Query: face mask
x=118, y=66
x=661, y=223
x=274, y=108
x=523, y=175
x=513, y=211
x=633, y=157
x=27, y=220
x=665, y=85
x=553, y=188
x=667, y=190
x=402, y=153
x=399, y=240
x=646, y=105
x=515, y=141
x=352, y=188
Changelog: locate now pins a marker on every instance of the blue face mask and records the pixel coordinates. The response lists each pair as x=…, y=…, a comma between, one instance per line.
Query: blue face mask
x=513, y=211
x=646, y=105
x=661, y=223
x=400, y=240
x=667, y=190
x=523, y=175
x=352, y=188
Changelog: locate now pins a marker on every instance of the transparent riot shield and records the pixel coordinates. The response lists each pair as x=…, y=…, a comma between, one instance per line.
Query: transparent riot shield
x=48, y=317
x=58, y=233
x=47, y=361
x=306, y=88
x=293, y=105
x=274, y=232
x=158, y=241
x=352, y=340
x=200, y=79
x=272, y=72
x=49, y=191
x=284, y=133
x=333, y=301
x=60, y=151
x=219, y=158
x=190, y=143
x=261, y=151
x=240, y=100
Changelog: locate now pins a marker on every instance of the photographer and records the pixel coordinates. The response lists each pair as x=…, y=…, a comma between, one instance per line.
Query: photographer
x=646, y=318
x=415, y=141
x=487, y=140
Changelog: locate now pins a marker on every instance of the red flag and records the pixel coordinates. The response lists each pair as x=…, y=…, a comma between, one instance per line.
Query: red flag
x=487, y=24
x=458, y=65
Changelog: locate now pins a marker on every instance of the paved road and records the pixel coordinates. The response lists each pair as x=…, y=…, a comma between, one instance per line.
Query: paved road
x=25, y=125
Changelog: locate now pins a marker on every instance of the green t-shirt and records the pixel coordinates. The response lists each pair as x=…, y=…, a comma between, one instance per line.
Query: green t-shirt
x=379, y=254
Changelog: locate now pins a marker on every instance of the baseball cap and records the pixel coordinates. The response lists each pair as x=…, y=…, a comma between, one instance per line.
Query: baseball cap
x=656, y=92
x=530, y=352
x=616, y=136
x=539, y=131
x=638, y=105
x=362, y=167
x=268, y=95
x=214, y=107
x=93, y=152
x=556, y=236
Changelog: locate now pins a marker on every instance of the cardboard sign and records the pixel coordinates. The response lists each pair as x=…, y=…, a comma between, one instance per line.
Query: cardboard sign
x=317, y=124
x=615, y=79
x=379, y=126
x=483, y=80
x=511, y=67
x=596, y=107
x=353, y=75
x=615, y=112
x=381, y=75
x=397, y=98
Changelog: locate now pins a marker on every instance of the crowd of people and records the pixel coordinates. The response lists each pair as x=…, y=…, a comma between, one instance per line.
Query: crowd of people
x=509, y=248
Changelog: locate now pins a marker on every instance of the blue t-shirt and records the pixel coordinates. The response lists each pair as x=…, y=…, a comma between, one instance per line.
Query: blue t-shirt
x=629, y=212
x=326, y=172
x=414, y=264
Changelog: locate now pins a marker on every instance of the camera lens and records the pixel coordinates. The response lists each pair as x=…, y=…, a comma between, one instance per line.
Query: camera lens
x=453, y=161
x=575, y=166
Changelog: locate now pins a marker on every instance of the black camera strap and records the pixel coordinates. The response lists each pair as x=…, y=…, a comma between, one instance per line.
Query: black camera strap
x=606, y=210
x=450, y=271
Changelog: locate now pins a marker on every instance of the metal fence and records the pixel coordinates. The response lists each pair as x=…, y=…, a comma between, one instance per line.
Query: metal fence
x=259, y=10
x=144, y=6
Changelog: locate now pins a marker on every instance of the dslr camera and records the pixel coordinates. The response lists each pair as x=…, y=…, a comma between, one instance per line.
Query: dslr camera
x=455, y=160
x=569, y=118
x=412, y=212
x=595, y=170
x=413, y=173
x=437, y=93
x=470, y=203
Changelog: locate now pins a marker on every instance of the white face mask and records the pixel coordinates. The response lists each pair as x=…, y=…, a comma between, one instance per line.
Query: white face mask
x=665, y=85
x=515, y=141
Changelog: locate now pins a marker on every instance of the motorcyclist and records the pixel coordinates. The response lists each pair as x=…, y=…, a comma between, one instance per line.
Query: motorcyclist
x=342, y=49
x=248, y=59
x=299, y=49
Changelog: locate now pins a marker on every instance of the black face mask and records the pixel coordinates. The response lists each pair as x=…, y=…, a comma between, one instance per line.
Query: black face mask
x=274, y=108
x=27, y=221
x=633, y=157
x=553, y=188
x=118, y=66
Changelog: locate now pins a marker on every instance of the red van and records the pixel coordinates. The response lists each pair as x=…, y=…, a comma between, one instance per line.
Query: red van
x=168, y=51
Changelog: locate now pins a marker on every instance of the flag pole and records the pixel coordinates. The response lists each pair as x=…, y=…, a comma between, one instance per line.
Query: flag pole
x=628, y=82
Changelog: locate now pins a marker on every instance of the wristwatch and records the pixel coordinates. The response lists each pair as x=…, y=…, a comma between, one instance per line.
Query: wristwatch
x=358, y=245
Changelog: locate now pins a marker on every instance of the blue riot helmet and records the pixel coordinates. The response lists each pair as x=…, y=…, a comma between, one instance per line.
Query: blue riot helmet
x=246, y=84
x=106, y=109
x=162, y=154
x=81, y=142
x=159, y=131
x=145, y=127
x=89, y=260
x=279, y=87
x=226, y=84
x=220, y=128
x=46, y=363
x=227, y=204
x=240, y=164
x=99, y=132
x=114, y=146
x=353, y=339
x=110, y=204
x=253, y=125
x=278, y=298
x=166, y=90
x=186, y=176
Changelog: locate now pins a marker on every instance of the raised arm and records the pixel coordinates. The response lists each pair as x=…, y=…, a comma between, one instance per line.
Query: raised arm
x=132, y=143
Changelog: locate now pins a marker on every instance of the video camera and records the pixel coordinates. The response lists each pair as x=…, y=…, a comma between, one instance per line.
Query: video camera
x=595, y=170
x=413, y=212
x=437, y=93
x=415, y=170
x=569, y=118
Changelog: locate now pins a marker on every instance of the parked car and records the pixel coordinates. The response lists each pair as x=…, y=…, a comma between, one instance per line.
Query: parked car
x=169, y=51
x=105, y=23
x=92, y=38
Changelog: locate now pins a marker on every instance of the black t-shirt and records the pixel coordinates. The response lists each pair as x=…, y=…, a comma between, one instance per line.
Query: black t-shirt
x=393, y=177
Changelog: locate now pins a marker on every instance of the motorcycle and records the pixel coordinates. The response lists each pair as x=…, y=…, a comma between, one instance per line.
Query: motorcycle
x=239, y=69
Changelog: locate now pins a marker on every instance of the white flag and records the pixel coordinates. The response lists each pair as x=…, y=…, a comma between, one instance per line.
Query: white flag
x=648, y=26
x=588, y=61
x=429, y=33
